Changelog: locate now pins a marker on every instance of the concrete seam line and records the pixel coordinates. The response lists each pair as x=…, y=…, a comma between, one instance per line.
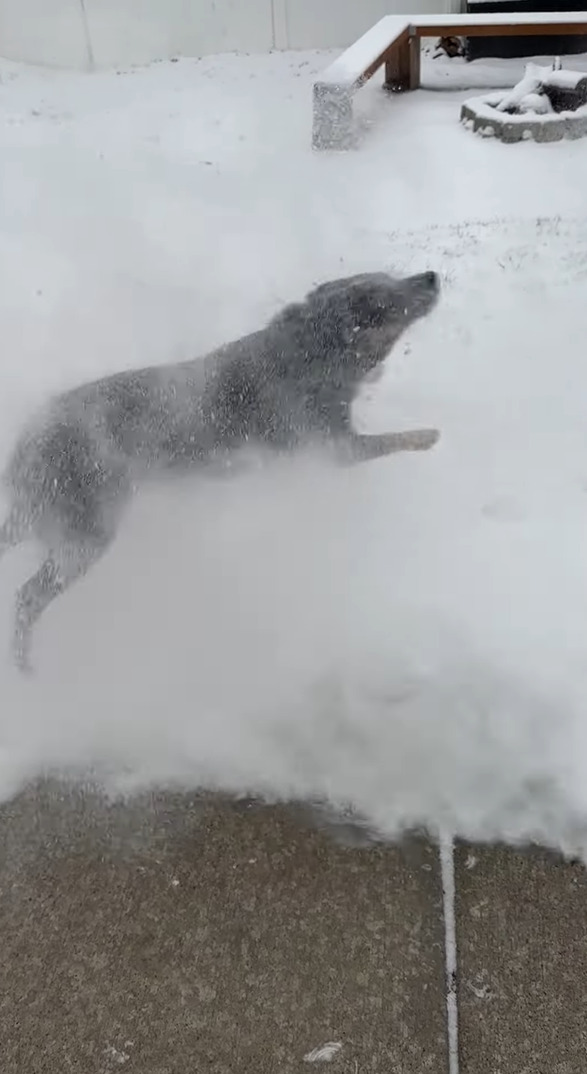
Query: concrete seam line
x=447, y=872
x=86, y=25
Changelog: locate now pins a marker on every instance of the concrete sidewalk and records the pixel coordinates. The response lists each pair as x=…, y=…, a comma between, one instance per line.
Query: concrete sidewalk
x=521, y=923
x=178, y=937
x=169, y=939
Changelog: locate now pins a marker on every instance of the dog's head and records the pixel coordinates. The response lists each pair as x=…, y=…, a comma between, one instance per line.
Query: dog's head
x=350, y=325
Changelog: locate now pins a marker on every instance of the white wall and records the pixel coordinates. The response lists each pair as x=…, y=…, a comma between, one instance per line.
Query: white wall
x=330, y=23
x=44, y=31
x=104, y=33
x=136, y=31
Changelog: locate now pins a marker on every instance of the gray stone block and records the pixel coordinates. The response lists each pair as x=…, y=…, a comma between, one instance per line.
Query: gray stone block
x=332, y=117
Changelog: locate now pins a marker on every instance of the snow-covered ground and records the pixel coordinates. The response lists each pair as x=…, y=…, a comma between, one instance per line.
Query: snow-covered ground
x=411, y=635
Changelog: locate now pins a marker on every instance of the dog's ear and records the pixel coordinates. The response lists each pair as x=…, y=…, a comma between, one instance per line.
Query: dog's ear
x=323, y=291
x=293, y=316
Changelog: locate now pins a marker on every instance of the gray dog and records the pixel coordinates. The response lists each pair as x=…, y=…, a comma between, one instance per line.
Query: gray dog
x=290, y=384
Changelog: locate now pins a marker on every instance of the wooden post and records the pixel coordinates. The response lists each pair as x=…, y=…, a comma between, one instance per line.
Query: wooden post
x=415, y=55
x=402, y=67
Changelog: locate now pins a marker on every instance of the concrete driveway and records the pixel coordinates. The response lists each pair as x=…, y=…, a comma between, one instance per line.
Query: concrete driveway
x=178, y=936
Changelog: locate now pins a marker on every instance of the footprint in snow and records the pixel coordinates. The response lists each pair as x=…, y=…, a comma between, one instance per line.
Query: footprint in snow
x=504, y=509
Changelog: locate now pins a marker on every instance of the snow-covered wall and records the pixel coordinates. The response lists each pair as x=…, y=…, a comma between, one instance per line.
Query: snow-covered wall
x=104, y=33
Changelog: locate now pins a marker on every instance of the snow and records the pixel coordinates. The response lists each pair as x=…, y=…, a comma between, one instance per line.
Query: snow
x=537, y=104
x=324, y=1054
x=565, y=79
x=409, y=635
x=488, y=73
x=534, y=76
x=506, y=18
x=487, y=106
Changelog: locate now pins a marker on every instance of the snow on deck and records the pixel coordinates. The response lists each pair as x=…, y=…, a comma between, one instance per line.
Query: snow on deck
x=506, y=18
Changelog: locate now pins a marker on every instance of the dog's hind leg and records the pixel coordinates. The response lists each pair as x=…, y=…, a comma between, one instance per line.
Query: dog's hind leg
x=55, y=575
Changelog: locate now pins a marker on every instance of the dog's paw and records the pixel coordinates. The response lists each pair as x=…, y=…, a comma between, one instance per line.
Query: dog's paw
x=25, y=668
x=421, y=439
x=22, y=660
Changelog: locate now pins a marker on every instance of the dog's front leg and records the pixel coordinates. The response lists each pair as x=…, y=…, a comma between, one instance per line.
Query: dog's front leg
x=357, y=447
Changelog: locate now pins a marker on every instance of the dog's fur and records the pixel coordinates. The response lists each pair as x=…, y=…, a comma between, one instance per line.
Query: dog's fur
x=73, y=470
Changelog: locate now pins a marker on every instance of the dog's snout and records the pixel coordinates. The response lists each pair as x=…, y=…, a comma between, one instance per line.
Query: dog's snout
x=426, y=281
x=432, y=279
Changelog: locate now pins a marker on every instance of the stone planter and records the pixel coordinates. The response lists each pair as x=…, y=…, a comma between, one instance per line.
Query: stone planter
x=480, y=115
